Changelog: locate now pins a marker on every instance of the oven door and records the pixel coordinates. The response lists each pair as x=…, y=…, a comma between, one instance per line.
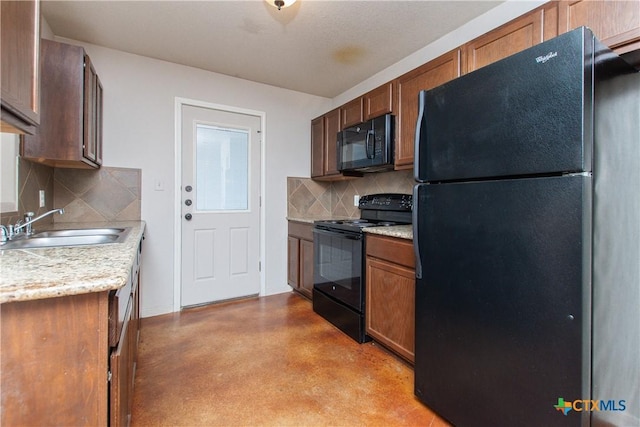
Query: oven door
x=338, y=266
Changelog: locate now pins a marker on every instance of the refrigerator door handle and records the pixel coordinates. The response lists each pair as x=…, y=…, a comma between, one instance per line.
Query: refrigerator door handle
x=416, y=140
x=416, y=233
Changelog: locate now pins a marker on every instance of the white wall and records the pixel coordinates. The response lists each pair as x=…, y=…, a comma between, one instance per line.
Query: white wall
x=139, y=99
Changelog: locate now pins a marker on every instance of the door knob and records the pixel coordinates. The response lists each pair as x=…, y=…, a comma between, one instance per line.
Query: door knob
x=187, y=202
x=188, y=217
x=188, y=189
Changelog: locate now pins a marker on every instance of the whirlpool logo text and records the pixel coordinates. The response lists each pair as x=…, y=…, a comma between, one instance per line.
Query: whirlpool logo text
x=584, y=405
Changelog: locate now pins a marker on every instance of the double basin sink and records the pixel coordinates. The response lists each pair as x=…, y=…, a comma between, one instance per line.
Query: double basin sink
x=71, y=237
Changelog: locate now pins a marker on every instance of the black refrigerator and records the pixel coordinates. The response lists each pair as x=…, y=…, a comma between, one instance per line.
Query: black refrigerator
x=527, y=237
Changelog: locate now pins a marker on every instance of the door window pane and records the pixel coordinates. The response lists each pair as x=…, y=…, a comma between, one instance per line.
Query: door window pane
x=222, y=169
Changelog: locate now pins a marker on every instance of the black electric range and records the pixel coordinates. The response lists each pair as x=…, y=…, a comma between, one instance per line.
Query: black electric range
x=339, y=271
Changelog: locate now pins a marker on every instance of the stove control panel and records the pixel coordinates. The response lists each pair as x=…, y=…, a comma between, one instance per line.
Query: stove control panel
x=387, y=202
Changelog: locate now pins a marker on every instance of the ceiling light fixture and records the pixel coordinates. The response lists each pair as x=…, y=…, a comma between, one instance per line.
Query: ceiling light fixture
x=280, y=3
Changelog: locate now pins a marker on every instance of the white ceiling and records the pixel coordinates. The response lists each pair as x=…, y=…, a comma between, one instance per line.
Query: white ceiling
x=320, y=47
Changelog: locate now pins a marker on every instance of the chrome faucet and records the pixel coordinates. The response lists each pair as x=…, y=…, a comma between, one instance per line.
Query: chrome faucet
x=28, y=220
x=4, y=233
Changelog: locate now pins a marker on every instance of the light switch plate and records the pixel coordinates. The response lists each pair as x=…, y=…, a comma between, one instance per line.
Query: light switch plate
x=356, y=200
x=42, y=198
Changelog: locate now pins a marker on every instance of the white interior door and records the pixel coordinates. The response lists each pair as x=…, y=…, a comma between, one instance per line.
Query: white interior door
x=220, y=205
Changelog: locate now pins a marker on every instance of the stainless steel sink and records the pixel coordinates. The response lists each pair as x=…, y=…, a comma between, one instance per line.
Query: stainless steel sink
x=78, y=232
x=74, y=237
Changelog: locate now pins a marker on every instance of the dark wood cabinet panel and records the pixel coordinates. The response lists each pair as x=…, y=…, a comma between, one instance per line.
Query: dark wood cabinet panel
x=379, y=101
x=515, y=36
x=390, y=294
x=614, y=23
x=54, y=361
x=70, y=132
x=317, y=147
x=324, y=146
x=293, y=263
x=20, y=87
x=352, y=113
x=332, y=127
x=300, y=257
x=428, y=76
x=306, y=267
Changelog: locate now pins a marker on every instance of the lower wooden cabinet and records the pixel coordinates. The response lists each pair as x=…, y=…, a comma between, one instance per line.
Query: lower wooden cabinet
x=390, y=294
x=124, y=355
x=58, y=365
x=300, y=257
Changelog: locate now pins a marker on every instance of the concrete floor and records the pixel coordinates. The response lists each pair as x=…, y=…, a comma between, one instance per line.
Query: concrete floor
x=267, y=362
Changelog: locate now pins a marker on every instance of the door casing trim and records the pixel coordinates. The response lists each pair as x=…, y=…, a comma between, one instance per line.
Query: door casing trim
x=177, y=214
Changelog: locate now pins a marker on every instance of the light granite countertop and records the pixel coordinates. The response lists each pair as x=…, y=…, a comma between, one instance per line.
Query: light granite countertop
x=29, y=274
x=400, y=231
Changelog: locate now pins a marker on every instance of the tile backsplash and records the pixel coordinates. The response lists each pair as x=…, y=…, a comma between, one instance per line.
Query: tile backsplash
x=87, y=195
x=106, y=194
x=309, y=199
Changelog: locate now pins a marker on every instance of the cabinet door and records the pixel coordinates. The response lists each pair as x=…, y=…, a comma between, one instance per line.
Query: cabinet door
x=293, y=263
x=89, y=147
x=121, y=393
x=20, y=47
x=352, y=113
x=306, y=268
x=379, y=101
x=430, y=75
x=98, y=121
x=615, y=23
x=317, y=147
x=391, y=306
x=515, y=36
x=331, y=128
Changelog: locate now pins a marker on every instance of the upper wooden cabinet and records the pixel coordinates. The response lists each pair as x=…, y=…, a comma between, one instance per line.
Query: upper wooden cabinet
x=70, y=132
x=428, y=76
x=20, y=27
x=372, y=104
x=317, y=147
x=515, y=36
x=352, y=113
x=614, y=23
x=324, y=146
x=379, y=101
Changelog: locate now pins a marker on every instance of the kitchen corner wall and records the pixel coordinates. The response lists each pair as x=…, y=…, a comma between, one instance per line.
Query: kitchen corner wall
x=32, y=177
x=309, y=199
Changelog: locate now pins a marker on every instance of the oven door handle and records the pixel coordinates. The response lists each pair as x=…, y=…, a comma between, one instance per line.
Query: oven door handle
x=338, y=233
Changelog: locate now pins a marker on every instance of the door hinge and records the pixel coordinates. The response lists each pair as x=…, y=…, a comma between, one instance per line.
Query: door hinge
x=259, y=265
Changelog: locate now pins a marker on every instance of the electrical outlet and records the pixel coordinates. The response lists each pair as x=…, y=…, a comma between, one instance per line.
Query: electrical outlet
x=356, y=200
x=42, y=199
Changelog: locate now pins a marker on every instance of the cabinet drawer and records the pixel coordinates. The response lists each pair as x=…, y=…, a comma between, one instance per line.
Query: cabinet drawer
x=301, y=230
x=398, y=251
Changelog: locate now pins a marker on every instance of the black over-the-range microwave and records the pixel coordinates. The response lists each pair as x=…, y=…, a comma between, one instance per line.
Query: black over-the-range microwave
x=367, y=147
